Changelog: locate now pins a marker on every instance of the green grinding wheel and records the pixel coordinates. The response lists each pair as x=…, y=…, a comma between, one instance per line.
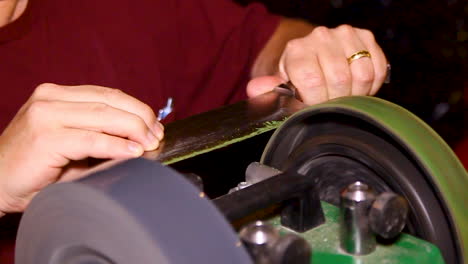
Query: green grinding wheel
x=375, y=141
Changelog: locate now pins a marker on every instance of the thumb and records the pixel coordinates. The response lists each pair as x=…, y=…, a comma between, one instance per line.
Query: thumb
x=261, y=85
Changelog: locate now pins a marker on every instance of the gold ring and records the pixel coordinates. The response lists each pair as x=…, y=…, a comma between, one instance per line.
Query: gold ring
x=358, y=55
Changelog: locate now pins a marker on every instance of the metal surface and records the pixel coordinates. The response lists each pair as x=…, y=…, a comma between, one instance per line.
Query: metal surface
x=324, y=238
x=239, y=204
x=258, y=237
x=436, y=186
x=257, y=172
x=303, y=211
x=136, y=211
x=297, y=194
x=356, y=235
x=325, y=243
x=267, y=246
x=388, y=214
x=291, y=248
x=224, y=126
x=290, y=89
x=258, y=234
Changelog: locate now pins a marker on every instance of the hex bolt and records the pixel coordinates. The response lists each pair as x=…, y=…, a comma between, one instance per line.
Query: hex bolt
x=356, y=236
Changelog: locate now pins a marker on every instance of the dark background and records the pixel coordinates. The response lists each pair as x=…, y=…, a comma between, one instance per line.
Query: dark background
x=426, y=43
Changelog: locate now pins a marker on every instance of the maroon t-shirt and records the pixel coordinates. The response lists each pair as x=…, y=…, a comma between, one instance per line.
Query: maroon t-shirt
x=199, y=52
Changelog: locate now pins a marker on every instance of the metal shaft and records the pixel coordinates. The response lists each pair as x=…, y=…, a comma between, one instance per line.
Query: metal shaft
x=356, y=235
x=273, y=190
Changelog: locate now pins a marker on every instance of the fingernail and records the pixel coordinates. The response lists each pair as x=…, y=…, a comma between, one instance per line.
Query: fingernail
x=135, y=149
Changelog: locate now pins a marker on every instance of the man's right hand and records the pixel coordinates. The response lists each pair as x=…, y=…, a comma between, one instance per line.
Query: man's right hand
x=61, y=125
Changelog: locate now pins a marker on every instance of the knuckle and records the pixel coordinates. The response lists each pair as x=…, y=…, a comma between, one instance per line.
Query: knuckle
x=38, y=109
x=90, y=139
x=114, y=92
x=321, y=32
x=367, y=35
x=294, y=44
x=44, y=89
x=346, y=29
x=37, y=122
x=148, y=113
x=99, y=108
x=341, y=79
x=137, y=125
x=364, y=77
x=111, y=93
x=100, y=143
x=310, y=79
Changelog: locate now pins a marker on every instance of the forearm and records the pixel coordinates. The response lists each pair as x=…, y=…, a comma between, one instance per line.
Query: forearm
x=266, y=62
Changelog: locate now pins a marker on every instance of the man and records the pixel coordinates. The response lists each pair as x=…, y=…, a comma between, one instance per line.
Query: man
x=199, y=52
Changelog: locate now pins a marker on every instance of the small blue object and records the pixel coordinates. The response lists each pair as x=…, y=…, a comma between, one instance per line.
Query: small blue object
x=164, y=112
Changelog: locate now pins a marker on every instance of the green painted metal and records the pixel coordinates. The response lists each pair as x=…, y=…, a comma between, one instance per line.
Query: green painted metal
x=326, y=249
x=435, y=157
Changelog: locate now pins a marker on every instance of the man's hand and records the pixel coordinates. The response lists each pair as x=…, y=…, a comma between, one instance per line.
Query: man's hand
x=317, y=64
x=62, y=125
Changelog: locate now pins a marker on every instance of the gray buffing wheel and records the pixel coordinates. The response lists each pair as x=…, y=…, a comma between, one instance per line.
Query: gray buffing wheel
x=137, y=211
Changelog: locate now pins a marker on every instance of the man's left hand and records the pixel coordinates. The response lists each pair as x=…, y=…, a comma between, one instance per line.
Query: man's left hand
x=318, y=65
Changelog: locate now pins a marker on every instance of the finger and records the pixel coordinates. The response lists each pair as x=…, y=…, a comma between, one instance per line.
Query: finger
x=98, y=94
x=332, y=61
x=103, y=118
x=378, y=59
x=281, y=66
x=302, y=68
x=77, y=144
x=82, y=168
x=337, y=73
x=261, y=85
x=74, y=170
x=362, y=70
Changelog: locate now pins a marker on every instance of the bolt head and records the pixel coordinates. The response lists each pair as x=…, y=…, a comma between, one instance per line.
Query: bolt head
x=387, y=215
